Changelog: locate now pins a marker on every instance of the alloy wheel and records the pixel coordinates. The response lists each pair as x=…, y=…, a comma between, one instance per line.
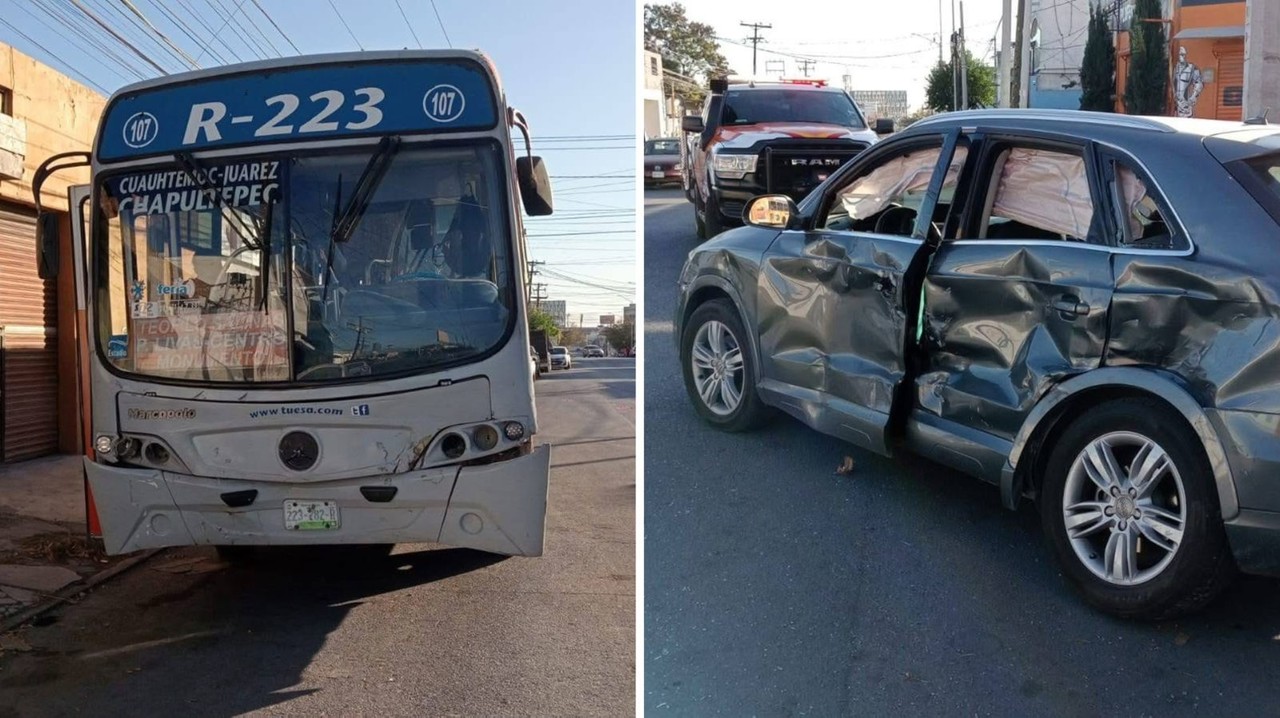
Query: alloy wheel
x=717, y=367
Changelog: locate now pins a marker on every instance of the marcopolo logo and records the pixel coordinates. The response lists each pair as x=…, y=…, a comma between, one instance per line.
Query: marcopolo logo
x=185, y=289
x=140, y=129
x=161, y=414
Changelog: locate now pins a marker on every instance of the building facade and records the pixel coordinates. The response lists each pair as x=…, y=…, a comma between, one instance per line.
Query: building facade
x=42, y=113
x=556, y=308
x=655, y=119
x=1059, y=30
x=882, y=103
x=629, y=314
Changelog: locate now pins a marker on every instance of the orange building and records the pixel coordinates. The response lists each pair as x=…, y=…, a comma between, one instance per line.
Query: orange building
x=1206, y=58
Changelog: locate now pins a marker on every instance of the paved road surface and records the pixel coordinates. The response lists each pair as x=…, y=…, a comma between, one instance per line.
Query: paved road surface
x=774, y=587
x=427, y=631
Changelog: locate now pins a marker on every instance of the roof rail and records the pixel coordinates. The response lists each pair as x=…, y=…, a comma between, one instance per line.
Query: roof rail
x=1099, y=118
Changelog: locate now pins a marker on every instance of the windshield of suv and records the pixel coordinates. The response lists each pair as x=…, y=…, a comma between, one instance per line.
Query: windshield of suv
x=279, y=268
x=662, y=147
x=749, y=107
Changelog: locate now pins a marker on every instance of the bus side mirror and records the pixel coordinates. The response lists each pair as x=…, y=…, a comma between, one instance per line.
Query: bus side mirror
x=47, y=245
x=535, y=186
x=884, y=126
x=692, y=123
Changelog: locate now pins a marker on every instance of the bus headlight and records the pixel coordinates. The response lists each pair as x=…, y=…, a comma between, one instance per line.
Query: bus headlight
x=514, y=430
x=485, y=437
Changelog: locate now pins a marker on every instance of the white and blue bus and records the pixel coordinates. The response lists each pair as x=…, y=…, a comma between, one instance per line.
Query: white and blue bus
x=304, y=311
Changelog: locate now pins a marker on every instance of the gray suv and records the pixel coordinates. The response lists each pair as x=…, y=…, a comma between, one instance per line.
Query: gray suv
x=1081, y=308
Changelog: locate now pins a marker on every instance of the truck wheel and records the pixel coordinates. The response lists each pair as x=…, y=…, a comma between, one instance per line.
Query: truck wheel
x=715, y=225
x=719, y=371
x=1130, y=508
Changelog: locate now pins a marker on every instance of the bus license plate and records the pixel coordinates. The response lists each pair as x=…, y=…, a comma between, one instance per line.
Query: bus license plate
x=656, y=175
x=310, y=515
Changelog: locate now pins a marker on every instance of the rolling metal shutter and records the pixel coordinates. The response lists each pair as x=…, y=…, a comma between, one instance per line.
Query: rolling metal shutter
x=28, y=345
x=1230, y=83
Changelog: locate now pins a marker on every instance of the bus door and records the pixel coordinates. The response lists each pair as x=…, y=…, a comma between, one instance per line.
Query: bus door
x=78, y=206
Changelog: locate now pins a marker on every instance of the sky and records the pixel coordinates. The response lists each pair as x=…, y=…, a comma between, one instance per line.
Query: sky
x=577, y=89
x=882, y=44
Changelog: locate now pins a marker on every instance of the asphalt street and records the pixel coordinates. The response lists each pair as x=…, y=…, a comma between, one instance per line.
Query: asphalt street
x=425, y=631
x=774, y=586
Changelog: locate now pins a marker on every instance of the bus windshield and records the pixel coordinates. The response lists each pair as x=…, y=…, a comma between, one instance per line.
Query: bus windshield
x=305, y=266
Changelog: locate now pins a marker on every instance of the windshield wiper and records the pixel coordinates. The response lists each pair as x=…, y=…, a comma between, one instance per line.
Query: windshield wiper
x=363, y=191
x=199, y=177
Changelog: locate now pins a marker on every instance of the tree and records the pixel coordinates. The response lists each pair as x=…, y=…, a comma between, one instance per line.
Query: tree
x=687, y=48
x=1146, y=88
x=573, y=336
x=982, y=85
x=1098, y=69
x=541, y=321
x=621, y=336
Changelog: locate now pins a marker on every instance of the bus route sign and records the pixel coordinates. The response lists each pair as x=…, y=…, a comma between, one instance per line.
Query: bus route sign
x=300, y=103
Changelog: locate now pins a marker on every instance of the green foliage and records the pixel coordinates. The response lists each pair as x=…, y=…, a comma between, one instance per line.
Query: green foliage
x=1098, y=70
x=540, y=320
x=982, y=85
x=1146, y=88
x=621, y=336
x=689, y=48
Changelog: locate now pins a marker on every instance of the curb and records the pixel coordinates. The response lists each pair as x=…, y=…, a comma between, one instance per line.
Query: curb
x=73, y=590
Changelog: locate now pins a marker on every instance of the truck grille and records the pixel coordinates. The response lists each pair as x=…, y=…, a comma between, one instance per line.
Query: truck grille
x=795, y=171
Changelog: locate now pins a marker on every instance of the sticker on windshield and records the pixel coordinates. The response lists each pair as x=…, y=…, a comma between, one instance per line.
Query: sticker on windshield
x=144, y=310
x=118, y=346
x=182, y=289
x=444, y=103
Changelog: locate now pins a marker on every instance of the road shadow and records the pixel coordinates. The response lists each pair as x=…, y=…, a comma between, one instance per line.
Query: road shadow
x=221, y=643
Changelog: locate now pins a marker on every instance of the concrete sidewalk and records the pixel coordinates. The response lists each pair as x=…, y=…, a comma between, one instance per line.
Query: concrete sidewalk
x=43, y=542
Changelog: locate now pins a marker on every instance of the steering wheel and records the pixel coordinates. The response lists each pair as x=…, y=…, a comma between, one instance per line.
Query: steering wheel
x=896, y=220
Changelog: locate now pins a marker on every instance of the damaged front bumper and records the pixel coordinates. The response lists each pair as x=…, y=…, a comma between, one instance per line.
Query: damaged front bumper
x=499, y=507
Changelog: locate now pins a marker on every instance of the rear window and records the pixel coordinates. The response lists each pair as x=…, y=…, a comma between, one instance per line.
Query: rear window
x=662, y=147
x=1261, y=177
x=1267, y=169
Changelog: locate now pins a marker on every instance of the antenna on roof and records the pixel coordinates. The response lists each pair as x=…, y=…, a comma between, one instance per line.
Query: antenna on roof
x=1260, y=119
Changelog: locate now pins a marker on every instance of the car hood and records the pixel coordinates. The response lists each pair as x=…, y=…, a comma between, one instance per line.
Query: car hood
x=744, y=136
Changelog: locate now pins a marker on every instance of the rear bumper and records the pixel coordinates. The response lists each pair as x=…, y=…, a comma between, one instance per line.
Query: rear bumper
x=499, y=507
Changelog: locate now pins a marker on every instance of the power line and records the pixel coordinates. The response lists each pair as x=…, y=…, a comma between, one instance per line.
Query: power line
x=226, y=21
x=409, y=25
x=446, y=32
x=209, y=29
x=244, y=22
x=91, y=41
x=92, y=15
x=344, y=24
x=242, y=31
x=277, y=27
x=53, y=56
x=186, y=30
x=165, y=38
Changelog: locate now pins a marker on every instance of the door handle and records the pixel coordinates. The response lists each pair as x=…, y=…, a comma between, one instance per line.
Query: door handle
x=1070, y=307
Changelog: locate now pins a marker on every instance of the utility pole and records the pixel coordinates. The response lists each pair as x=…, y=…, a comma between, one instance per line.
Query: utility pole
x=1024, y=54
x=1005, y=53
x=528, y=286
x=964, y=64
x=539, y=294
x=1015, y=89
x=755, y=39
x=939, y=32
x=805, y=65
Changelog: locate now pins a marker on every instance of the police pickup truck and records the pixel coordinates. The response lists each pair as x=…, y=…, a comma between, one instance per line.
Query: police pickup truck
x=756, y=137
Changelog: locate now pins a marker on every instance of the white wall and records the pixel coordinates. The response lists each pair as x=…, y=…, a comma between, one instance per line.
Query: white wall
x=1262, y=58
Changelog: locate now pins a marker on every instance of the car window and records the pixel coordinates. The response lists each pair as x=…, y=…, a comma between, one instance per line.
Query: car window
x=662, y=147
x=1144, y=225
x=1037, y=194
x=751, y=107
x=887, y=198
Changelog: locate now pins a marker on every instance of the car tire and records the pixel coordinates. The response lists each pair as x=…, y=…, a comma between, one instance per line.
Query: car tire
x=714, y=222
x=1181, y=496
x=699, y=224
x=748, y=412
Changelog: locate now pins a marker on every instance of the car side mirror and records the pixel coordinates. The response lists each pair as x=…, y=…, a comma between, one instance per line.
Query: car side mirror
x=535, y=186
x=47, y=245
x=692, y=123
x=772, y=211
x=884, y=126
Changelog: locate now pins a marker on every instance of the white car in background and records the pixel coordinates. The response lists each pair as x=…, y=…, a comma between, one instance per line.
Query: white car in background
x=560, y=358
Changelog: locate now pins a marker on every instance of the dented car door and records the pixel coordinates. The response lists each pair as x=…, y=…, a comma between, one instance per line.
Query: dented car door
x=1017, y=295
x=832, y=303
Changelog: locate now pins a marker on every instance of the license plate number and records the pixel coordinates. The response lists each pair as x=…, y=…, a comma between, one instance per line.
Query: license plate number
x=656, y=175
x=310, y=515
